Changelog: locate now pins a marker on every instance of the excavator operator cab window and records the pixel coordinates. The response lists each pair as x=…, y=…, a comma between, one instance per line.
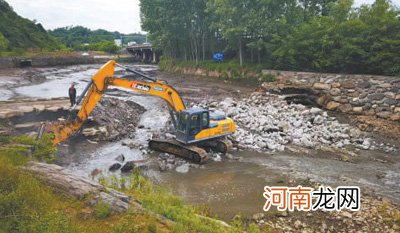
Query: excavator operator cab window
x=194, y=124
x=205, y=120
x=183, y=121
x=191, y=122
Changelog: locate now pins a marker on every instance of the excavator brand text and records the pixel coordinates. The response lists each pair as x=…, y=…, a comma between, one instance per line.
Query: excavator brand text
x=140, y=86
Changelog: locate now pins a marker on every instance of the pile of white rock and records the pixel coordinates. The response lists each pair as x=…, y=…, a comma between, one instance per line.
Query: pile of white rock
x=267, y=122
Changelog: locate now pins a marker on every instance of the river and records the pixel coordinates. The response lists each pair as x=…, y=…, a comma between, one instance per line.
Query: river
x=228, y=187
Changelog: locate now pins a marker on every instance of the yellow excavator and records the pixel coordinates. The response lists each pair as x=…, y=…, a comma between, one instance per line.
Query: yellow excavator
x=196, y=129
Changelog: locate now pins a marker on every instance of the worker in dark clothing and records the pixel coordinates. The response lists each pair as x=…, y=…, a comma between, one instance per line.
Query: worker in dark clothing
x=72, y=94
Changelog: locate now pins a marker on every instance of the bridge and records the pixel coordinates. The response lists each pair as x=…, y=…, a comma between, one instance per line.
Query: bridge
x=144, y=52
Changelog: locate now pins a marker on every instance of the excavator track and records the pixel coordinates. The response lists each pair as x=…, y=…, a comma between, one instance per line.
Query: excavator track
x=224, y=146
x=219, y=145
x=189, y=152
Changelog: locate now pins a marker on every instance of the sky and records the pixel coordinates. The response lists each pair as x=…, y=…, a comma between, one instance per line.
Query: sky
x=114, y=15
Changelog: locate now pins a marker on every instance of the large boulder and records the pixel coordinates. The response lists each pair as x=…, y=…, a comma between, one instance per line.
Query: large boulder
x=332, y=105
x=120, y=158
x=347, y=84
x=115, y=167
x=128, y=167
x=384, y=114
x=69, y=184
x=345, y=108
x=358, y=109
x=335, y=91
x=322, y=86
x=376, y=96
x=364, y=85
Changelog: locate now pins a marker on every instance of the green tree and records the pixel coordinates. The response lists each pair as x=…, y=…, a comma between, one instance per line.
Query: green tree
x=22, y=33
x=3, y=43
x=312, y=35
x=230, y=20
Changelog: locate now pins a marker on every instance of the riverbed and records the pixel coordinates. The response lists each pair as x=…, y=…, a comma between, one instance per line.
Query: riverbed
x=229, y=186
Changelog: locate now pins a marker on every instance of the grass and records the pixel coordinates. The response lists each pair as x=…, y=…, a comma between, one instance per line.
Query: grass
x=29, y=205
x=390, y=215
x=227, y=69
x=102, y=210
x=186, y=218
x=21, y=148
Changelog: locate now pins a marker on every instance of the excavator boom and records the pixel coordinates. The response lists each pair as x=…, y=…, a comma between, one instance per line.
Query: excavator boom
x=99, y=84
x=193, y=126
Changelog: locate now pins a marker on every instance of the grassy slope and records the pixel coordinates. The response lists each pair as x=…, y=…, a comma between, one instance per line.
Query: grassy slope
x=28, y=205
x=22, y=33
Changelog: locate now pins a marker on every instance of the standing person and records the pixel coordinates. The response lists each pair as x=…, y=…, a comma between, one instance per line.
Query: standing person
x=72, y=94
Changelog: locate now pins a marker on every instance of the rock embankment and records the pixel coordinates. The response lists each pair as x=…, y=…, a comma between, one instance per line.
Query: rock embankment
x=356, y=94
x=266, y=122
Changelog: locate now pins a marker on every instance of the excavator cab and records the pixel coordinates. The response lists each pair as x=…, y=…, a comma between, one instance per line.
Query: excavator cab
x=190, y=123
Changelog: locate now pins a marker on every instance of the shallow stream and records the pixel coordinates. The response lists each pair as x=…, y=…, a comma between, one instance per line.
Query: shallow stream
x=227, y=187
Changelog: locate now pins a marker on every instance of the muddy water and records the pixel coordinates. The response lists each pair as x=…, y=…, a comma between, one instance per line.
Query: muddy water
x=227, y=187
x=56, y=84
x=230, y=187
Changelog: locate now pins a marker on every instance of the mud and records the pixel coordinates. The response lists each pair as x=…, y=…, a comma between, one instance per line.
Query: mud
x=236, y=183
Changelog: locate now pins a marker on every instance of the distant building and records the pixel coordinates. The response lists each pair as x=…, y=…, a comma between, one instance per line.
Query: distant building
x=131, y=43
x=118, y=42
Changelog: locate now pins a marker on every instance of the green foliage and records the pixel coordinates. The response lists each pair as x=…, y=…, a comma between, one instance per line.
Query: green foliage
x=253, y=228
x=26, y=205
x=186, y=218
x=227, y=70
x=320, y=35
x=3, y=43
x=20, y=33
x=102, y=210
x=105, y=46
x=267, y=78
x=21, y=147
x=81, y=38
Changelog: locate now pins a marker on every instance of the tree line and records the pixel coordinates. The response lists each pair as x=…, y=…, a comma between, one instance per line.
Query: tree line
x=307, y=35
x=18, y=35
x=82, y=38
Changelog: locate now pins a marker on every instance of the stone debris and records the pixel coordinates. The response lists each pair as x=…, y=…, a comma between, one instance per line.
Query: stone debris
x=354, y=94
x=120, y=158
x=128, y=167
x=375, y=216
x=169, y=162
x=184, y=168
x=115, y=167
x=267, y=122
x=113, y=120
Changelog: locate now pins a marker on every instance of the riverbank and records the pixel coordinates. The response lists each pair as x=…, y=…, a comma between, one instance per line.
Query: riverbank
x=59, y=59
x=39, y=197
x=223, y=184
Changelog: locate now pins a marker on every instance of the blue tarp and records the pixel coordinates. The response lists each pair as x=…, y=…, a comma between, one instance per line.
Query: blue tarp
x=218, y=56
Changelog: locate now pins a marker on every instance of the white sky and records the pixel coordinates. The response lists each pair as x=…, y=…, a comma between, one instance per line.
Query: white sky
x=114, y=15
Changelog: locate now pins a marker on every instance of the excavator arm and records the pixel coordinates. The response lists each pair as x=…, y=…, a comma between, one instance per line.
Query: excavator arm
x=100, y=82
